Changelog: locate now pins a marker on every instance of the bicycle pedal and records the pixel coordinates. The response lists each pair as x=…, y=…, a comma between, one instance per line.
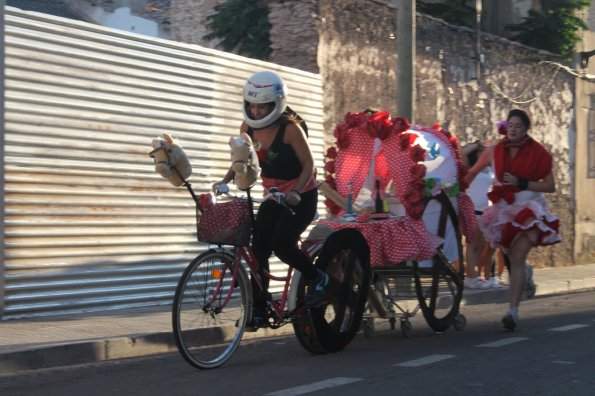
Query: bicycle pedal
x=253, y=326
x=250, y=329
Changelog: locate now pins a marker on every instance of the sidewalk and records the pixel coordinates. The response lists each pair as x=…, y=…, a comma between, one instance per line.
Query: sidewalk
x=28, y=344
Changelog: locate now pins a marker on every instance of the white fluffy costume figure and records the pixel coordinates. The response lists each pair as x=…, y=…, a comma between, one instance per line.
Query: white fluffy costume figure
x=244, y=161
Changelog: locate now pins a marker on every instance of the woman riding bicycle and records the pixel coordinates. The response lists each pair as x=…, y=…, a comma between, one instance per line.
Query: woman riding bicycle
x=287, y=164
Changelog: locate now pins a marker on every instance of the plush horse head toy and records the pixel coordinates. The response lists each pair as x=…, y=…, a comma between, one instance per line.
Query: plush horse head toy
x=244, y=162
x=171, y=161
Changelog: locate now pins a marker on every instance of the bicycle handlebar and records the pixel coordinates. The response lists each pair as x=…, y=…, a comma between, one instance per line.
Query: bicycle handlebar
x=274, y=194
x=222, y=189
x=278, y=197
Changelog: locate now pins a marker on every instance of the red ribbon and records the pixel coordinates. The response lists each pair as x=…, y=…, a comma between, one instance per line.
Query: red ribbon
x=505, y=192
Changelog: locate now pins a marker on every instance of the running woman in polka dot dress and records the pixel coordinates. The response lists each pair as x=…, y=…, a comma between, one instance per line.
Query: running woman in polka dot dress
x=519, y=218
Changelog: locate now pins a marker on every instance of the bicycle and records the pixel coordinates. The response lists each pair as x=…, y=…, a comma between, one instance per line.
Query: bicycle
x=213, y=299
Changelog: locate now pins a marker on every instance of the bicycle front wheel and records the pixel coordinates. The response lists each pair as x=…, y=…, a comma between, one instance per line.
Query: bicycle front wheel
x=210, y=309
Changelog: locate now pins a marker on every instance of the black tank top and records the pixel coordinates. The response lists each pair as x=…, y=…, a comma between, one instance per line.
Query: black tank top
x=280, y=160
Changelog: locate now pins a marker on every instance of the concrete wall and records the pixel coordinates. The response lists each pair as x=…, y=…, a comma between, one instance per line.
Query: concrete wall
x=584, y=242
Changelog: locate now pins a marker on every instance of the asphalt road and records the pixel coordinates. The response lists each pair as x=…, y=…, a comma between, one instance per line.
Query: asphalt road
x=552, y=353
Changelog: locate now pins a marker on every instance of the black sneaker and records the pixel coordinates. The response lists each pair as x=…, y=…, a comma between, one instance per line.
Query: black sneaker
x=258, y=320
x=510, y=321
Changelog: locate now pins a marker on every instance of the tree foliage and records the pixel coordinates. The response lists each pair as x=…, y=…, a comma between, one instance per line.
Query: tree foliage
x=243, y=26
x=555, y=28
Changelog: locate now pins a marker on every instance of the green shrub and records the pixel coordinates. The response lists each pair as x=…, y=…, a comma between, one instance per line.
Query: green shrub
x=554, y=29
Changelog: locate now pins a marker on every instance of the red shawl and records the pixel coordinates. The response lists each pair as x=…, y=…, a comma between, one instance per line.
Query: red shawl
x=532, y=162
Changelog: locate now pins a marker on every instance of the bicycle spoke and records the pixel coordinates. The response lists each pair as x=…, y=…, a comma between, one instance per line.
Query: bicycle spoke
x=210, y=309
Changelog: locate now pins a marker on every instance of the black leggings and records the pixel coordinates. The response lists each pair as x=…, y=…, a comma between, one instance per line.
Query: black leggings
x=277, y=231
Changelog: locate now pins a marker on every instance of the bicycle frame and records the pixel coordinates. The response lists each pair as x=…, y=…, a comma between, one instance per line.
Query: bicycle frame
x=282, y=307
x=246, y=254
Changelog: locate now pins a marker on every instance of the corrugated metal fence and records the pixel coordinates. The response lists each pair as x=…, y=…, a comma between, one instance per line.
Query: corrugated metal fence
x=88, y=223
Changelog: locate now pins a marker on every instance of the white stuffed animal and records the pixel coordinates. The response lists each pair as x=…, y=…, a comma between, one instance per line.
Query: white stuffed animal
x=244, y=161
x=171, y=161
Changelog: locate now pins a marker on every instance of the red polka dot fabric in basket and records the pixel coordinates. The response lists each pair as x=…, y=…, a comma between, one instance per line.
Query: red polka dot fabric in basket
x=227, y=223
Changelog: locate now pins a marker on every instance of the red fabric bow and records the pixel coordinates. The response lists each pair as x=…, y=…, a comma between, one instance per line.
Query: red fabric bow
x=505, y=192
x=380, y=125
x=400, y=124
x=331, y=153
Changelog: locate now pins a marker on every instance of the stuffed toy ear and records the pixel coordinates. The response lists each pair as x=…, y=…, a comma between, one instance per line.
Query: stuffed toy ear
x=246, y=137
x=168, y=138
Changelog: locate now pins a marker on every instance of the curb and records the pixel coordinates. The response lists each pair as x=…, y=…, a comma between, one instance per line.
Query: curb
x=85, y=352
x=498, y=296
x=63, y=355
x=68, y=354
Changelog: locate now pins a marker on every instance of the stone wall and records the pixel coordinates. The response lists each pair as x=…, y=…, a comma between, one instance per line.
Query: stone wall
x=356, y=57
x=189, y=19
x=295, y=19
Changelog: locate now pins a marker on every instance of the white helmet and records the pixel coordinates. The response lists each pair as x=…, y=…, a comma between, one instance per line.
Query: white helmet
x=265, y=87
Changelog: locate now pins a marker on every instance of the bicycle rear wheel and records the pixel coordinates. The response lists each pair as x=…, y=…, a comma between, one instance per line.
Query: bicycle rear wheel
x=439, y=288
x=210, y=309
x=345, y=257
x=439, y=291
